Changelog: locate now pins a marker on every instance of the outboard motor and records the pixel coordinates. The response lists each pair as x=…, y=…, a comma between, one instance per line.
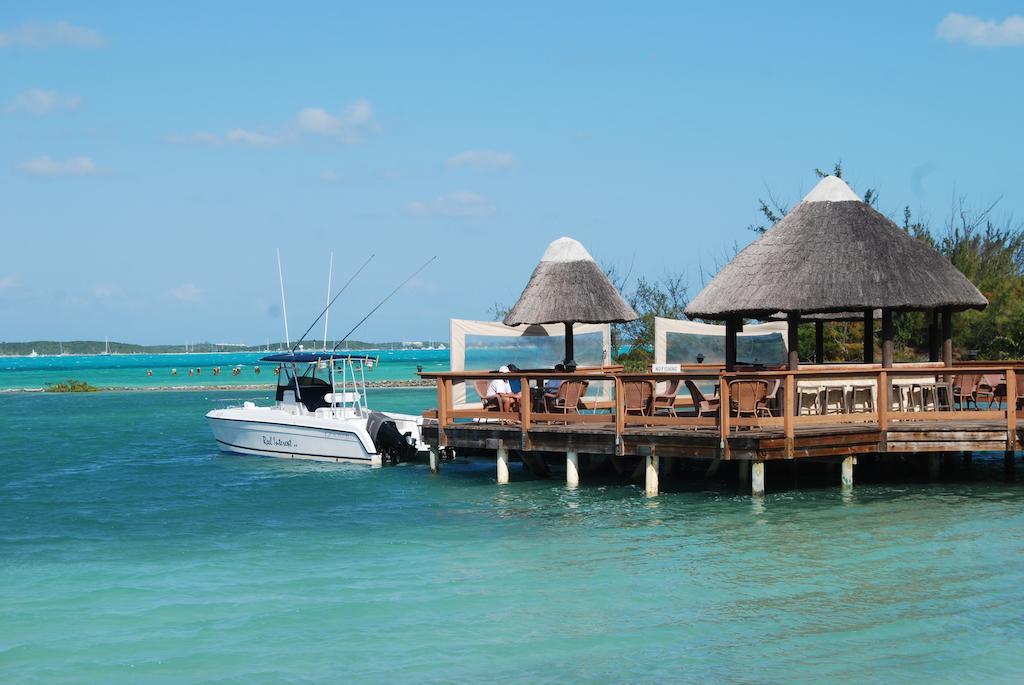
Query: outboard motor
x=391, y=445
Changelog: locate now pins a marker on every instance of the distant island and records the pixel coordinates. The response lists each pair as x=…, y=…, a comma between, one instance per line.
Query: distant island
x=55, y=347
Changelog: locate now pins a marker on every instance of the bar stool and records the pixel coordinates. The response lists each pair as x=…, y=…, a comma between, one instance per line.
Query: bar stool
x=865, y=394
x=834, y=393
x=814, y=407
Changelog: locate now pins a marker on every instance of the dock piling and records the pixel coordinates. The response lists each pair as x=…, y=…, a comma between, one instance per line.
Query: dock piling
x=757, y=478
x=651, y=478
x=572, y=469
x=934, y=466
x=435, y=459
x=847, y=477
x=502, y=460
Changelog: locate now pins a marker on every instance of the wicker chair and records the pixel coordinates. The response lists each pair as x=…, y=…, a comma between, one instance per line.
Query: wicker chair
x=702, y=405
x=667, y=401
x=748, y=398
x=964, y=385
x=638, y=397
x=567, y=399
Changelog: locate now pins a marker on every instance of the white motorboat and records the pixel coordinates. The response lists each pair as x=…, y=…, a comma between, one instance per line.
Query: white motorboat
x=320, y=414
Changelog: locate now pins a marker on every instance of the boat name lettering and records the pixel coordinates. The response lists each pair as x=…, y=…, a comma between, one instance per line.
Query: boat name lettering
x=269, y=440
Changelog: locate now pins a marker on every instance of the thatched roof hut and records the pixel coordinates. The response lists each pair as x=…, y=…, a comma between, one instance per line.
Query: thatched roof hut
x=834, y=253
x=569, y=287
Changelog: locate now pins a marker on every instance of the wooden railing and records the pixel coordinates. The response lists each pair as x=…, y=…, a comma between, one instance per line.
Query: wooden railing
x=787, y=416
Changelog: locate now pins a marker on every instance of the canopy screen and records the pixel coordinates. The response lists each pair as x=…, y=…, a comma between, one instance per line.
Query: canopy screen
x=488, y=345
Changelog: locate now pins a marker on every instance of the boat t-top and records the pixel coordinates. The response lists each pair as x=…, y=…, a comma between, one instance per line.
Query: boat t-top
x=320, y=413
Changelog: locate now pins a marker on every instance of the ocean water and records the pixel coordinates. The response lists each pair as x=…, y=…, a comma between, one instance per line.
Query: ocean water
x=132, y=551
x=131, y=370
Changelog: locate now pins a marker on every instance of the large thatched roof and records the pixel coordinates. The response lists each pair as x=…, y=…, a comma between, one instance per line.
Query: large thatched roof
x=569, y=286
x=834, y=253
x=828, y=316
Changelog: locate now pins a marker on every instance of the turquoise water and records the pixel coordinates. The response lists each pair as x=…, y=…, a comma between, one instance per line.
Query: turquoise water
x=131, y=550
x=131, y=370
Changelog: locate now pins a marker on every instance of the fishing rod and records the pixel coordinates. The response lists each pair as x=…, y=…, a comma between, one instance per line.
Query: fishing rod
x=328, y=307
x=381, y=303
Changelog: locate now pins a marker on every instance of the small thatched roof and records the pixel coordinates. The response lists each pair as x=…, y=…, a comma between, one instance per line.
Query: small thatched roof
x=834, y=253
x=569, y=286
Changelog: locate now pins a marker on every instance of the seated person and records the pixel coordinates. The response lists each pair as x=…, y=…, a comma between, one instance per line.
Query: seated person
x=500, y=390
x=551, y=385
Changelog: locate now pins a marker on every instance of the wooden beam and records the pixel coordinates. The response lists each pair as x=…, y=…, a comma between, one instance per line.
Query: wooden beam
x=888, y=333
x=793, y=340
x=819, y=342
x=869, y=336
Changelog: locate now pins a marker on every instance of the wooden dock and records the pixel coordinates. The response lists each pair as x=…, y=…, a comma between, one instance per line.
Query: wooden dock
x=883, y=428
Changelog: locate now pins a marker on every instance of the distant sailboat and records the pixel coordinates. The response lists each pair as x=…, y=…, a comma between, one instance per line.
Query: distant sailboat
x=106, y=345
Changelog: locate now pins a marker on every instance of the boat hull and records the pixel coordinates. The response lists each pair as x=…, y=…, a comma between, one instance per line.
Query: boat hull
x=313, y=439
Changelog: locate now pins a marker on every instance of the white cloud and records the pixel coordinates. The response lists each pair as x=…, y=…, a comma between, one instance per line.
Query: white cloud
x=72, y=166
x=186, y=293
x=983, y=33
x=482, y=159
x=105, y=290
x=330, y=176
x=50, y=35
x=349, y=127
x=39, y=101
x=7, y=282
x=460, y=204
x=237, y=137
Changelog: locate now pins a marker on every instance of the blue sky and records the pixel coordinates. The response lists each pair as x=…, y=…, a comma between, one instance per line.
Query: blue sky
x=153, y=158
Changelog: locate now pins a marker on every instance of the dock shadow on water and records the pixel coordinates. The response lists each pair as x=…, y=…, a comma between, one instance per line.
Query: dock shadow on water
x=131, y=550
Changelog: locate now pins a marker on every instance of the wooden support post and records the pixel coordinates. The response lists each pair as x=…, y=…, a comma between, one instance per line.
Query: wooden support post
x=651, y=476
x=503, y=472
x=789, y=409
x=572, y=469
x=723, y=414
x=744, y=471
x=869, y=336
x=525, y=400
x=933, y=335
x=888, y=333
x=793, y=340
x=620, y=416
x=848, y=464
x=1011, y=410
x=947, y=337
x=884, y=401
x=442, y=410
x=1009, y=468
x=934, y=467
x=435, y=458
x=819, y=342
x=732, y=326
x=757, y=478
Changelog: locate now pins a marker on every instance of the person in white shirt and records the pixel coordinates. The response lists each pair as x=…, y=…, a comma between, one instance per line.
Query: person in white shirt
x=501, y=391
